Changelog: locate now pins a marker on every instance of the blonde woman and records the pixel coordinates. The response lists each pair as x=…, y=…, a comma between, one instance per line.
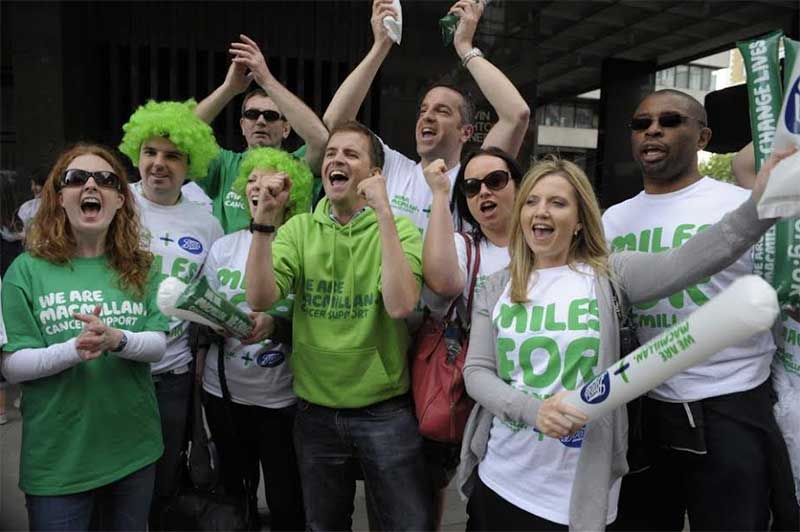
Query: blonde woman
x=545, y=326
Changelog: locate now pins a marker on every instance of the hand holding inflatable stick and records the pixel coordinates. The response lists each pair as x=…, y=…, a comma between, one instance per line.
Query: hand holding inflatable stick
x=200, y=303
x=746, y=307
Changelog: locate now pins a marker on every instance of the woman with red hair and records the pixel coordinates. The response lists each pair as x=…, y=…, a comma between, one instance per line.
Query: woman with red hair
x=84, y=332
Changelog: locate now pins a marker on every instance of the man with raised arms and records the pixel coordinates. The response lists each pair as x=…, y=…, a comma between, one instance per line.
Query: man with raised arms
x=445, y=114
x=268, y=114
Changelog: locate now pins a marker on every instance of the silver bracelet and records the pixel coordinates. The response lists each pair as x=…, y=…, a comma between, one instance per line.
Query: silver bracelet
x=475, y=52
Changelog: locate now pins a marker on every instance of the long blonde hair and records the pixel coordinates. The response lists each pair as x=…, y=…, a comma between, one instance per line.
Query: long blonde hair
x=50, y=236
x=589, y=246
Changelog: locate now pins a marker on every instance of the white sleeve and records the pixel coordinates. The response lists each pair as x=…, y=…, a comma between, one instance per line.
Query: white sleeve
x=461, y=251
x=394, y=162
x=38, y=362
x=145, y=346
x=3, y=337
x=210, y=266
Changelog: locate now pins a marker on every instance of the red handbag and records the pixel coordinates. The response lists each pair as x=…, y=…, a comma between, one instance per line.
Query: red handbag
x=437, y=379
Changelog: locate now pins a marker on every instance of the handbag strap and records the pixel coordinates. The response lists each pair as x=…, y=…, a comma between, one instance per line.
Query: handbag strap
x=471, y=244
x=625, y=319
x=249, y=487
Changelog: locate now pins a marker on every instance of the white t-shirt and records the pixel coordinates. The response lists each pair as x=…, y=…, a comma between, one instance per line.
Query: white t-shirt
x=180, y=238
x=549, y=344
x=194, y=193
x=656, y=222
x=408, y=192
x=493, y=259
x=28, y=210
x=256, y=374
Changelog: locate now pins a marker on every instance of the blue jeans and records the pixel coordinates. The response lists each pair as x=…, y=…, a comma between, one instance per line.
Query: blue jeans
x=121, y=505
x=384, y=442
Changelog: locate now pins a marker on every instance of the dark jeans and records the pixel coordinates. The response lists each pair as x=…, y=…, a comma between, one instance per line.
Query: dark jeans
x=384, y=441
x=121, y=505
x=489, y=511
x=246, y=435
x=174, y=395
x=727, y=488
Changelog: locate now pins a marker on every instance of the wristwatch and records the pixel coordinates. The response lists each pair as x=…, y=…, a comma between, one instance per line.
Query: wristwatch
x=261, y=228
x=475, y=52
x=122, y=343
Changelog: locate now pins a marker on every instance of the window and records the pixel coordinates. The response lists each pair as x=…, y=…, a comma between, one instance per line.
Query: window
x=551, y=115
x=567, y=115
x=583, y=116
x=682, y=76
x=695, y=77
x=572, y=115
x=666, y=77
x=705, y=84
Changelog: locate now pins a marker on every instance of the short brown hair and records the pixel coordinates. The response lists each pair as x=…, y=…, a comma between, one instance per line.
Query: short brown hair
x=375, y=147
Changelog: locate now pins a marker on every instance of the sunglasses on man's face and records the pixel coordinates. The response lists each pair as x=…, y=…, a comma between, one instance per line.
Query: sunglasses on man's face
x=269, y=115
x=78, y=178
x=496, y=180
x=665, y=120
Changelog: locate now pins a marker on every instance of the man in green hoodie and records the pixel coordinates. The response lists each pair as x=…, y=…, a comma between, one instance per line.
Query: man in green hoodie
x=356, y=272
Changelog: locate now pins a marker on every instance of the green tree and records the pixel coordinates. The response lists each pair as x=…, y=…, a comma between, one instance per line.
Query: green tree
x=719, y=167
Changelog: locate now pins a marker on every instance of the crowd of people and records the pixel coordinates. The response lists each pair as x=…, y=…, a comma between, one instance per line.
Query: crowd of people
x=356, y=238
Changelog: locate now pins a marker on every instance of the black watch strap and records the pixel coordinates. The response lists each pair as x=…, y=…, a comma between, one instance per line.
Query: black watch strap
x=261, y=228
x=123, y=342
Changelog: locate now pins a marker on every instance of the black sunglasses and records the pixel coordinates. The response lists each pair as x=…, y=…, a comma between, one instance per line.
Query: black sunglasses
x=269, y=115
x=664, y=120
x=496, y=180
x=78, y=178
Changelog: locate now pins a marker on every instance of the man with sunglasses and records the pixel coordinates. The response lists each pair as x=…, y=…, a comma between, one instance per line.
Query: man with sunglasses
x=268, y=114
x=709, y=430
x=445, y=114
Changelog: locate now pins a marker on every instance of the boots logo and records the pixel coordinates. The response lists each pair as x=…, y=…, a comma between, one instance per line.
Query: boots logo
x=574, y=440
x=270, y=359
x=792, y=115
x=597, y=390
x=192, y=245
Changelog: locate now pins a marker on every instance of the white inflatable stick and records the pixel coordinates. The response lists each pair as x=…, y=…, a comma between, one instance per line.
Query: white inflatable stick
x=199, y=303
x=394, y=25
x=748, y=306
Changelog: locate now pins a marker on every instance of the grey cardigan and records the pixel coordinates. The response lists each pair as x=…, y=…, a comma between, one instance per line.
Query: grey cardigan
x=639, y=277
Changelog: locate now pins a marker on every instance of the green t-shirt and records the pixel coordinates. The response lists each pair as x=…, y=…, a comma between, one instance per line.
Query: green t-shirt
x=228, y=206
x=97, y=421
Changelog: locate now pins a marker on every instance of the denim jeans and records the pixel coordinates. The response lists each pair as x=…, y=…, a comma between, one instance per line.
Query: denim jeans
x=121, y=505
x=384, y=442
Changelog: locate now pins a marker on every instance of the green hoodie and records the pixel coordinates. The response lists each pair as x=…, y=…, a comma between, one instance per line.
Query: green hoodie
x=347, y=351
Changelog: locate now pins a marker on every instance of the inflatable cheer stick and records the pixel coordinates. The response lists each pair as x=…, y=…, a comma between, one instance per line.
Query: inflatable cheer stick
x=748, y=306
x=200, y=303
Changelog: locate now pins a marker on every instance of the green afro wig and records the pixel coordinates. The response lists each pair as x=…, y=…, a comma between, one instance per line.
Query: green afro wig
x=280, y=161
x=177, y=122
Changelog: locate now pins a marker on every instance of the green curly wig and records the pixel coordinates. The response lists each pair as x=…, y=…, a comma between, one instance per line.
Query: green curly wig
x=177, y=122
x=280, y=161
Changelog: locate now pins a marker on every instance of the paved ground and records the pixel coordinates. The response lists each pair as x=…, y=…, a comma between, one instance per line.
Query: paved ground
x=12, y=502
